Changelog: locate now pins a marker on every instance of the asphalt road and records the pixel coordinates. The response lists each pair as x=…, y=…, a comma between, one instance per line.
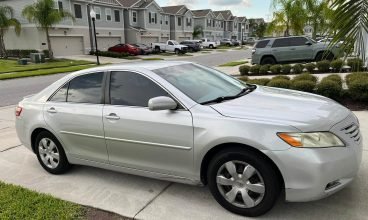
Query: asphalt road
x=12, y=91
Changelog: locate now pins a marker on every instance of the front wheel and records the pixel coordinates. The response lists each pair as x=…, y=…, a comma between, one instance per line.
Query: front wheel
x=243, y=182
x=211, y=46
x=177, y=51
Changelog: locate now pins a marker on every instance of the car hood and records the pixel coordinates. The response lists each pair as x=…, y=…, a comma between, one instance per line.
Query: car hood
x=304, y=111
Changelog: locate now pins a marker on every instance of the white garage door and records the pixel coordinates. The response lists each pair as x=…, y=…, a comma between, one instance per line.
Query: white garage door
x=149, y=40
x=105, y=42
x=64, y=46
x=183, y=38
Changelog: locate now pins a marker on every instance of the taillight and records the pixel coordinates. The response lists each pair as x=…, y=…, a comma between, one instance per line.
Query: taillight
x=18, y=111
x=254, y=50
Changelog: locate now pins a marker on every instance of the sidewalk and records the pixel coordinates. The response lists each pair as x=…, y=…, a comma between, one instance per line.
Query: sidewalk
x=143, y=198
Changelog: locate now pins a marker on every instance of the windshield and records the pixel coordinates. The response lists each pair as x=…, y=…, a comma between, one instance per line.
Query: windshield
x=174, y=42
x=200, y=83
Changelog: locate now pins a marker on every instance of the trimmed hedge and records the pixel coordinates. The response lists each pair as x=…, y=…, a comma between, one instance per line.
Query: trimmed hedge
x=334, y=77
x=280, y=83
x=329, y=88
x=244, y=78
x=110, y=54
x=281, y=77
x=255, y=70
x=298, y=68
x=244, y=70
x=264, y=69
x=303, y=85
x=306, y=76
x=356, y=76
x=337, y=64
x=323, y=66
x=24, y=53
x=276, y=69
x=358, y=86
x=261, y=81
x=356, y=64
x=286, y=68
x=310, y=67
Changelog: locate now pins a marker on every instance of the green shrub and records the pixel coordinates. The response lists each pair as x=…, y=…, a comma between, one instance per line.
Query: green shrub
x=334, y=77
x=310, y=67
x=337, y=64
x=254, y=70
x=275, y=69
x=261, y=81
x=303, y=85
x=356, y=64
x=20, y=53
x=286, y=68
x=280, y=83
x=244, y=78
x=329, y=88
x=281, y=77
x=110, y=54
x=244, y=70
x=356, y=77
x=298, y=68
x=306, y=76
x=323, y=66
x=358, y=90
x=264, y=69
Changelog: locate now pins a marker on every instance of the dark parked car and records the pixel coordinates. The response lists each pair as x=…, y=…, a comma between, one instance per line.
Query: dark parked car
x=192, y=46
x=144, y=48
x=125, y=48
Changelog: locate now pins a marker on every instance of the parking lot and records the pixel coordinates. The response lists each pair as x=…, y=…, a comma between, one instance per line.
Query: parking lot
x=144, y=198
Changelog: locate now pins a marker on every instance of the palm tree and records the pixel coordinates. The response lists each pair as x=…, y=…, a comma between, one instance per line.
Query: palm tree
x=289, y=15
x=319, y=15
x=197, y=31
x=6, y=21
x=350, y=22
x=45, y=16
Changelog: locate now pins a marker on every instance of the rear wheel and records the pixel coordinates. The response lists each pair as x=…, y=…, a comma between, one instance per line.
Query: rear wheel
x=51, y=154
x=243, y=182
x=211, y=46
x=268, y=60
x=157, y=49
x=324, y=56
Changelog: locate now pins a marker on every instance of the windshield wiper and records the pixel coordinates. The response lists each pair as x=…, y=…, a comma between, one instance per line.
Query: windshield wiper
x=220, y=99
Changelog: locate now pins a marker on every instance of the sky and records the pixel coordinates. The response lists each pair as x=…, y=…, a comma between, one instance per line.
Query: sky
x=248, y=8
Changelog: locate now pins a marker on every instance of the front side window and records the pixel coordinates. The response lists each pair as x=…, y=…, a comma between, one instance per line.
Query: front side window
x=86, y=89
x=77, y=11
x=133, y=89
x=298, y=41
x=108, y=14
x=200, y=83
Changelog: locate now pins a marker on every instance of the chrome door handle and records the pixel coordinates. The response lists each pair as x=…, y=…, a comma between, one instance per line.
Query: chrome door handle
x=112, y=116
x=51, y=110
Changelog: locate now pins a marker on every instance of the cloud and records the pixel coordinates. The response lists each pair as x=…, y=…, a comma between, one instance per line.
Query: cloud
x=238, y=3
x=189, y=3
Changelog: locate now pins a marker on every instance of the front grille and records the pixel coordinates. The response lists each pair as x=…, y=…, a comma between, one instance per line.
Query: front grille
x=353, y=132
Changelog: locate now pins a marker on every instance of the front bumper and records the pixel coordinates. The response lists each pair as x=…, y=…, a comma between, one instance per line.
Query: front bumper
x=312, y=174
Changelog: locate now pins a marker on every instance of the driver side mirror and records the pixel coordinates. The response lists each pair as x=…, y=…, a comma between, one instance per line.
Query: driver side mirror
x=162, y=103
x=308, y=43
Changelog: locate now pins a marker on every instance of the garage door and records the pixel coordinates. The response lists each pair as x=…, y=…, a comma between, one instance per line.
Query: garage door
x=64, y=46
x=183, y=38
x=105, y=42
x=149, y=40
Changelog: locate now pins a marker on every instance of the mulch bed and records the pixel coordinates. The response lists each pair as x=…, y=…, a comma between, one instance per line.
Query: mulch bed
x=354, y=105
x=97, y=214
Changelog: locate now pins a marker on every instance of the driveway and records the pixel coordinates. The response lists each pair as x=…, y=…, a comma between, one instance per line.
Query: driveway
x=144, y=198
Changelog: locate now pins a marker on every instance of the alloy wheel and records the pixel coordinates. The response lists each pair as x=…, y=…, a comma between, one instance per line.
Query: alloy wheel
x=240, y=184
x=49, y=153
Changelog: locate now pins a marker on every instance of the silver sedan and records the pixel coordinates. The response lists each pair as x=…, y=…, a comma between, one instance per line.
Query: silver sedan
x=188, y=123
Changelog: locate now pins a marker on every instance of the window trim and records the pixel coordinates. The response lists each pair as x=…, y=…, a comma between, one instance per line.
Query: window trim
x=106, y=14
x=98, y=12
x=107, y=99
x=136, y=17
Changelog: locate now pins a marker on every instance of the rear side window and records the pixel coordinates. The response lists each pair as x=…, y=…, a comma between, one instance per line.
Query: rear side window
x=298, y=41
x=86, y=89
x=60, y=96
x=133, y=89
x=262, y=44
x=283, y=42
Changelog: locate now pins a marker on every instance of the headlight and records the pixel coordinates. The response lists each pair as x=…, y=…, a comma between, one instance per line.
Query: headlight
x=311, y=140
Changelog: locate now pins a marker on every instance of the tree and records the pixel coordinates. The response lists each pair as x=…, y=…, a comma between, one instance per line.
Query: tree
x=197, y=31
x=45, y=16
x=260, y=30
x=350, y=22
x=289, y=15
x=7, y=21
x=319, y=15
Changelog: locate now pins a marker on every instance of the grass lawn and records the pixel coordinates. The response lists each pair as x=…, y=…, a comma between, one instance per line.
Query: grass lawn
x=7, y=66
x=20, y=203
x=152, y=58
x=43, y=72
x=234, y=63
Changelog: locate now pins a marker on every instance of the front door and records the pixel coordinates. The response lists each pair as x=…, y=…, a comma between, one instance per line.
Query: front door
x=74, y=113
x=300, y=50
x=156, y=141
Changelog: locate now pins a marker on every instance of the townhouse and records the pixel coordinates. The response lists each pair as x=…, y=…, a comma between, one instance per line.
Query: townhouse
x=122, y=21
x=70, y=37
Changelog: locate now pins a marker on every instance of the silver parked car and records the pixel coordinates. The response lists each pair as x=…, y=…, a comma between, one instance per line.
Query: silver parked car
x=188, y=123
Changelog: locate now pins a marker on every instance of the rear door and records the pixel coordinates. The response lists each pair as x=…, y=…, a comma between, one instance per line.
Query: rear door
x=280, y=49
x=74, y=113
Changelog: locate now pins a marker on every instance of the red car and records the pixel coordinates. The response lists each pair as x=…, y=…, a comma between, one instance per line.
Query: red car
x=125, y=48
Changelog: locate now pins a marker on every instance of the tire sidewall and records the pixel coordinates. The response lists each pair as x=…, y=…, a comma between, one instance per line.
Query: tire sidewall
x=269, y=176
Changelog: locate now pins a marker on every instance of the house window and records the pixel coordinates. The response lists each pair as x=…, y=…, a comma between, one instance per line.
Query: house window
x=117, y=15
x=213, y=23
x=135, y=17
x=108, y=14
x=166, y=19
x=98, y=13
x=152, y=17
x=179, y=21
x=189, y=22
x=222, y=24
x=77, y=11
x=60, y=5
x=208, y=22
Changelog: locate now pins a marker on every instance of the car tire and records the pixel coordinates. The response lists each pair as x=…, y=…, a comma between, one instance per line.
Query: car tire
x=268, y=60
x=177, y=51
x=51, y=154
x=211, y=46
x=259, y=173
x=321, y=56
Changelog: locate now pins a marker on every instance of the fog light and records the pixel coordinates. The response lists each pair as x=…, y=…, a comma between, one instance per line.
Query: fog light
x=332, y=185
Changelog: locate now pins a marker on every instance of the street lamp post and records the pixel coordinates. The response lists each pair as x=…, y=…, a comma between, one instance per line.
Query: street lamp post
x=93, y=16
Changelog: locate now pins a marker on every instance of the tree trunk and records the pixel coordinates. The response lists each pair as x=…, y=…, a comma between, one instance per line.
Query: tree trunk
x=2, y=45
x=315, y=27
x=51, y=53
